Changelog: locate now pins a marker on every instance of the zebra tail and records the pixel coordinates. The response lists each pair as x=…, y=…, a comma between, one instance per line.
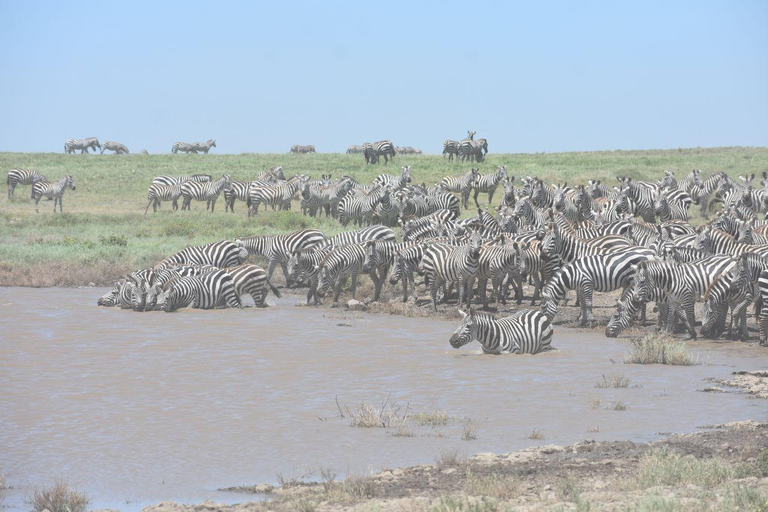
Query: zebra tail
x=275, y=291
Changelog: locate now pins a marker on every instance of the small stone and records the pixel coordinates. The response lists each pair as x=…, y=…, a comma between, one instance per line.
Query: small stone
x=356, y=305
x=91, y=284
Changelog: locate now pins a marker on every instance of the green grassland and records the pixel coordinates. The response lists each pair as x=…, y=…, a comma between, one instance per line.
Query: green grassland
x=103, y=232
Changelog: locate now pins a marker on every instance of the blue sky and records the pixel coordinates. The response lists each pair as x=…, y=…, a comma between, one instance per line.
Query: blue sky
x=529, y=77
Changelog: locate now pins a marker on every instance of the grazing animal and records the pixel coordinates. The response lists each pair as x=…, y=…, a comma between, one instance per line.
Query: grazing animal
x=118, y=148
x=23, y=177
x=159, y=193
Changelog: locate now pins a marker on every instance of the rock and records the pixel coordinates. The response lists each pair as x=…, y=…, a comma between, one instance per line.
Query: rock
x=91, y=284
x=356, y=305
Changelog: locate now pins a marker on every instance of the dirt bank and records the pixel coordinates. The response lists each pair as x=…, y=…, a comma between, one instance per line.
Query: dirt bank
x=720, y=469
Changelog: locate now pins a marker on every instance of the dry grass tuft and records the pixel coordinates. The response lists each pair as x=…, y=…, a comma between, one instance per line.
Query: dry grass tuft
x=59, y=498
x=431, y=419
x=596, y=402
x=662, y=468
x=620, y=406
x=469, y=430
x=536, y=434
x=593, y=429
x=448, y=458
x=614, y=381
x=397, y=307
x=659, y=349
x=387, y=416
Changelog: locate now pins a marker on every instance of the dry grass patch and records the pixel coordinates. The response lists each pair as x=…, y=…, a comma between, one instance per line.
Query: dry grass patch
x=659, y=349
x=469, y=430
x=431, y=419
x=389, y=416
x=661, y=467
x=596, y=402
x=614, y=381
x=620, y=406
x=536, y=434
x=492, y=486
x=353, y=489
x=448, y=458
x=59, y=498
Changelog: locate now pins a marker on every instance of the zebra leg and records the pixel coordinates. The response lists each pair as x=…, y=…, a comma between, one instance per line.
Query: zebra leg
x=433, y=292
x=37, y=200
x=586, y=305
x=491, y=192
x=537, y=283
x=151, y=201
x=477, y=193
x=354, y=285
x=690, y=318
x=482, y=289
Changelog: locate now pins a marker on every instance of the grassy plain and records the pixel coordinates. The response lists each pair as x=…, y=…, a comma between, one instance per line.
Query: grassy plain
x=104, y=234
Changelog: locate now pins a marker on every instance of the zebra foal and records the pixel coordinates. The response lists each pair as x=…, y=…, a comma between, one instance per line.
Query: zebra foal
x=52, y=190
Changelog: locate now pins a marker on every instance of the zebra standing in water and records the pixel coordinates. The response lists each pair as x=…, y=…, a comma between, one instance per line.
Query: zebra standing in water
x=118, y=148
x=279, y=249
x=202, y=292
x=340, y=263
x=451, y=148
x=82, y=144
x=204, y=147
x=52, y=190
x=250, y=279
x=525, y=332
x=208, y=192
x=220, y=254
x=159, y=193
x=488, y=183
x=23, y=177
x=381, y=148
x=446, y=264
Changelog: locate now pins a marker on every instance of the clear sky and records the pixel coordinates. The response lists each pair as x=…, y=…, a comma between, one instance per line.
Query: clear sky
x=261, y=76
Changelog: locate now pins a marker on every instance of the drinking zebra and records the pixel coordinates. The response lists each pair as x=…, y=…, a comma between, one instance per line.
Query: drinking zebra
x=451, y=148
x=220, y=254
x=159, y=193
x=208, y=192
x=252, y=280
x=202, y=292
x=82, y=144
x=118, y=148
x=177, y=180
x=373, y=151
x=279, y=249
x=53, y=191
x=23, y=177
x=525, y=332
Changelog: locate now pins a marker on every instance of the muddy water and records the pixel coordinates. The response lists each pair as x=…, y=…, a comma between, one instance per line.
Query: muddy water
x=138, y=408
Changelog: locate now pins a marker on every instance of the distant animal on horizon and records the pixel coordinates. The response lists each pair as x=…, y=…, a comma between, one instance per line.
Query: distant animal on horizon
x=303, y=149
x=118, y=148
x=372, y=152
x=82, y=144
x=194, y=147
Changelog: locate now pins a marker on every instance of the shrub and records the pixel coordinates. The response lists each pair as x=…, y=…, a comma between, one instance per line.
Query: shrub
x=469, y=432
x=59, y=498
x=117, y=240
x=663, y=468
x=614, y=381
x=432, y=419
x=448, y=458
x=656, y=349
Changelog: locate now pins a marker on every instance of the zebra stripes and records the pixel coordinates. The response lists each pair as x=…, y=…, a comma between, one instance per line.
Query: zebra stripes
x=279, y=249
x=118, y=148
x=194, y=147
x=53, y=191
x=208, y=192
x=278, y=195
x=446, y=264
x=487, y=183
x=83, y=145
x=525, y=332
x=394, y=182
x=340, y=263
x=159, y=193
x=252, y=280
x=220, y=254
x=202, y=292
x=372, y=152
x=461, y=184
x=451, y=148
x=178, y=180
x=23, y=177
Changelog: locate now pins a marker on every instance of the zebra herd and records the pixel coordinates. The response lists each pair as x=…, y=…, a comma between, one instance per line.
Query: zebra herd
x=193, y=147
x=466, y=149
x=71, y=145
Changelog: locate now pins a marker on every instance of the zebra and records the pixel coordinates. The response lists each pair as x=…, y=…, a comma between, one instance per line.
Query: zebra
x=208, y=192
x=220, y=254
x=177, y=180
x=304, y=265
x=373, y=151
x=497, y=262
x=159, y=193
x=395, y=182
x=82, y=144
x=451, y=148
x=252, y=280
x=570, y=246
x=684, y=284
x=202, y=292
x=762, y=316
x=110, y=298
x=129, y=294
x=355, y=149
x=144, y=152
x=331, y=194
x=379, y=257
x=237, y=190
x=183, y=147
x=668, y=210
x=488, y=183
x=472, y=150
x=52, y=190
x=303, y=149
x=416, y=228
x=118, y=148
x=204, y=147
x=461, y=184
x=525, y=332
x=279, y=249
x=598, y=272
x=445, y=264
x=375, y=232
x=273, y=174
x=341, y=262
x=360, y=208
x=637, y=198
x=715, y=241
x=627, y=307
x=23, y=177
x=278, y=195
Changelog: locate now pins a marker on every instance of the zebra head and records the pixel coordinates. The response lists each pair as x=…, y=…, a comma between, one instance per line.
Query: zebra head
x=558, y=201
x=520, y=260
x=744, y=231
x=660, y=201
x=396, y=273
x=552, y=243
x=509, y=191
x=642, y=282
x=467, y=330
x=405, y=174
x=622, y=318
x=110, y=299
x=371, y=256
x=70, y=182
x=548, y=305
x=703, y=240
x=668, y=181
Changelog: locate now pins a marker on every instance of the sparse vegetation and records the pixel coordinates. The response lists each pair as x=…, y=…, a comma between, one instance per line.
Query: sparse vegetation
x=670, y=469
x=596, y=402
x=450, y=504
x=620, y=406
x=659, y=349
x=536, y=434
x=593, y=429
x=432, y=418
x=614, y=381
x=448, y=458
x=501, y=487
x=469, y=430
x=58, y=498
x=389, y=416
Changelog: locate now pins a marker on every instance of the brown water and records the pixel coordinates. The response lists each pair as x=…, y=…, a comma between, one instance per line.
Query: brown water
x=138, y=408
